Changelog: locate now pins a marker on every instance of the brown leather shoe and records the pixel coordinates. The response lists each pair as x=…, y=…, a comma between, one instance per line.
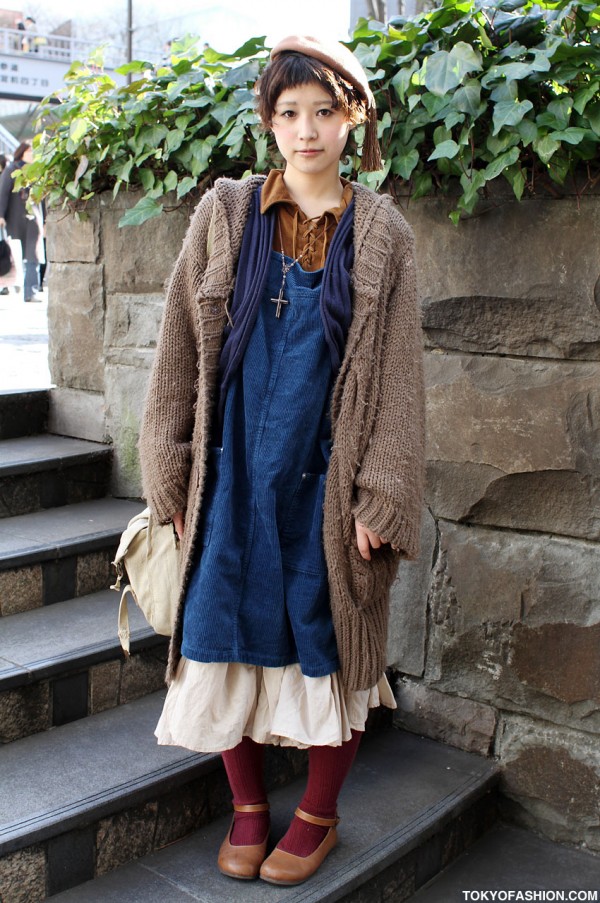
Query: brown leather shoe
x=243, y=861
x=285, y=868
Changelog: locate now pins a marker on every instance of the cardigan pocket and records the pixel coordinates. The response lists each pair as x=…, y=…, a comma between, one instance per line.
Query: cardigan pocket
x=370, y=580
x=302, y=530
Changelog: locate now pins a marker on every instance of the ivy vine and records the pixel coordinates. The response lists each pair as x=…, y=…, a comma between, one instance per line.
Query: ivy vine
x=467, y=93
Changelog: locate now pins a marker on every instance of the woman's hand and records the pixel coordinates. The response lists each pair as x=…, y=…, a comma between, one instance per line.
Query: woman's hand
x=179, y=523
x=367, y=540
x=2, y=222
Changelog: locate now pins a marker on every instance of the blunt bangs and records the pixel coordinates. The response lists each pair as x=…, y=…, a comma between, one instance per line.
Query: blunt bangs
x=292, y=70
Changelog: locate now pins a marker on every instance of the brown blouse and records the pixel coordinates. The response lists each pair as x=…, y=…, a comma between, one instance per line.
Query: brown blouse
x=301, y=234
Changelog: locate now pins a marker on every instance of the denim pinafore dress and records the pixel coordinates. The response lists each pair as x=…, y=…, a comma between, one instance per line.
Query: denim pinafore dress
x=258, y=593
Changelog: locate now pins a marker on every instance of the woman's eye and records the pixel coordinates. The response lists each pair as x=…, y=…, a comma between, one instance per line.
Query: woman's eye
x=324, y=112
x=287, y=114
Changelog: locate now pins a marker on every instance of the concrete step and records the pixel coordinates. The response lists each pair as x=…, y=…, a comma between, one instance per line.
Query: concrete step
x=49, y=471
x=23, y=413
x=409, y=807
x=511, y=859
x=86, y=797
x=63, y=662
x=63, y=553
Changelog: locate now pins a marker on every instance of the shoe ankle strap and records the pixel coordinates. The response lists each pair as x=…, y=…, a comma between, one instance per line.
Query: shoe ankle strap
x=315, y=820
x=254, y=807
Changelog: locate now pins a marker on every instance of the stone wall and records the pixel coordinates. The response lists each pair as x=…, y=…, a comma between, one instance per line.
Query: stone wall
x=495, y=632
x=511, y=314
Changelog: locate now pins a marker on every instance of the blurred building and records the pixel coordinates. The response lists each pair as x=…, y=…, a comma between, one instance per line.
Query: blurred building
x=384, y=10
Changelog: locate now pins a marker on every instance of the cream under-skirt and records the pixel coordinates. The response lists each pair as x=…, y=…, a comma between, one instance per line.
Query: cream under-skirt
x=210, y=707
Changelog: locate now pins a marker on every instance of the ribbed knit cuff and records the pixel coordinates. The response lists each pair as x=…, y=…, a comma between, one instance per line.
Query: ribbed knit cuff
x=377, y=513
x=166, y=485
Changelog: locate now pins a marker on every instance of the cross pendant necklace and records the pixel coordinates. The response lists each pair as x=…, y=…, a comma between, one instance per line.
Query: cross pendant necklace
x=285, y=268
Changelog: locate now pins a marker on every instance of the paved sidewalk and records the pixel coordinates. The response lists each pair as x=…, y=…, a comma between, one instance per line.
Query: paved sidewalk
x=23, y=342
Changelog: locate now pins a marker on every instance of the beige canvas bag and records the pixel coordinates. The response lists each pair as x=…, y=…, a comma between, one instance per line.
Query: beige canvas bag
x=149, y=553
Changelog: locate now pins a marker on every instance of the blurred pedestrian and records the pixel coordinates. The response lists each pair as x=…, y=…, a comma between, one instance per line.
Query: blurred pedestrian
x=22, y=223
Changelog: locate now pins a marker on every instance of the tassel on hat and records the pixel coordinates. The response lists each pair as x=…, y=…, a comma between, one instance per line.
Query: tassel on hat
x=342, y=61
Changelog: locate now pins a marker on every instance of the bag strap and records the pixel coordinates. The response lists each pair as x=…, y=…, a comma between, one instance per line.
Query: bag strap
x=123, y=631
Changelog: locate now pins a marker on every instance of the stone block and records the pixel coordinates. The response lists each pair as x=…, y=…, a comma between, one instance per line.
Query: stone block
x=454, y=720
x=77, y=413
x=125, y=836
x=514, y=623
x=140, y=259
x=485, y=289
x=551, y=778
x=73, y=237
x=21, y=589
x=19, y=495
x=24, y=711
x=76, y=326
x=514, y=443
x=143, y=674
x=94, y=572
x=562, y=660
x=133, y=321
x=104, y=685
x=408, y=605
x=180, y=812
x=125, y=393
x=23, y=876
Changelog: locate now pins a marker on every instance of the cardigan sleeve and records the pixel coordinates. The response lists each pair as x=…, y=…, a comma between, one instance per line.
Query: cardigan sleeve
x=168, y=420
x=389, y=483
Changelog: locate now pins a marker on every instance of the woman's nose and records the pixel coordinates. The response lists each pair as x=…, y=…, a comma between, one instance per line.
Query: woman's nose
x=307, y=129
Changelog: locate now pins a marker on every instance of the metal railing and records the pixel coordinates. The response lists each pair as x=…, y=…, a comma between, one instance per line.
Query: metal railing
x=64, y=49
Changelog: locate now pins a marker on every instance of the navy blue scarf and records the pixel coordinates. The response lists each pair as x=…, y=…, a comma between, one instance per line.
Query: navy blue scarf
x=252, y=270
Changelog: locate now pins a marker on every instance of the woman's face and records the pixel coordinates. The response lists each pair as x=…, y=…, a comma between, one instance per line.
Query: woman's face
x=27, y=155
x=310, y=134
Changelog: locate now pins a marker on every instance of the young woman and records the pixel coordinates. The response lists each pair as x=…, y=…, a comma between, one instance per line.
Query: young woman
x=283, y=437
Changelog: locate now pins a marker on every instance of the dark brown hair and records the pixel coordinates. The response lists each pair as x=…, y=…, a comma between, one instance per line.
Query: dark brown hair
x=18, y=154
x=291, y=70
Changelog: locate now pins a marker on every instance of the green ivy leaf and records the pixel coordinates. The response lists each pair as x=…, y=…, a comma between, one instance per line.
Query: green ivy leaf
x=516, y=179
x=241, y=75
x=507, y=113
x=493, y=169
x=170, y=181
x=592, y=113
x=443, y=70
x=528, y=131
x=174, y=139
x=545, y=148
x=422, y=185
x=78, y=129
x=145, y=209
x=146, y=177
x=402, y=80
x=447, y=150
x=467, y=99
x=152, y=135
x=561, y=110
x=186, y=185
x=404, y=164
x=585, y=94
x=571, y=135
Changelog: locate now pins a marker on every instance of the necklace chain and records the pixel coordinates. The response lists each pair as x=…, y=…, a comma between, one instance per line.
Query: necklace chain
x=285, y=269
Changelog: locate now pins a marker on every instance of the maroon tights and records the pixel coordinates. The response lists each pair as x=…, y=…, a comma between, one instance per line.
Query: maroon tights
x=328, y=767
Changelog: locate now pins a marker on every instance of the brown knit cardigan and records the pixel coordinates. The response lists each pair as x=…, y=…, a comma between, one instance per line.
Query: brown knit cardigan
x=376, y=469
